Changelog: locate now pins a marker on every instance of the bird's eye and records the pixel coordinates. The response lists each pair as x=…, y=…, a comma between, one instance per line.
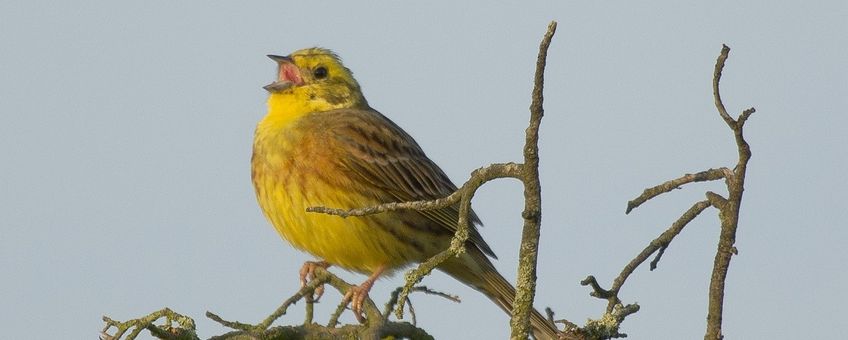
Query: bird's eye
x=320, y=72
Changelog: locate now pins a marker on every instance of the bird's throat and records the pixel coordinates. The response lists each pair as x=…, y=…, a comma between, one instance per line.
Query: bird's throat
x=287, y=108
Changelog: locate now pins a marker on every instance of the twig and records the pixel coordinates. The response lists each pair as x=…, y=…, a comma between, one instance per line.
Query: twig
x=429, y=291
x=412, y=311
x=393, y=299
x=414, y=205
x=703, y=176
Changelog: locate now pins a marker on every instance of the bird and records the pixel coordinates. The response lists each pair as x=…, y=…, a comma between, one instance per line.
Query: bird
x=321, y=144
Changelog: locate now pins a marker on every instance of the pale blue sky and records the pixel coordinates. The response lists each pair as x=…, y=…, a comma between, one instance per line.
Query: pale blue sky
x=126, y=128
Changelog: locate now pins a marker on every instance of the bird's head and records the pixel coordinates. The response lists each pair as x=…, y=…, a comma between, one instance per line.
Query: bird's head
x=317, y=76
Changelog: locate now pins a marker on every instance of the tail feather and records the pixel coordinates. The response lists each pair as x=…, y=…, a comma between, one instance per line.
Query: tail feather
x=475, y=270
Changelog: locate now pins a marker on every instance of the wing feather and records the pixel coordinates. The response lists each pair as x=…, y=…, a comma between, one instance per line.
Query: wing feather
x=386, y=159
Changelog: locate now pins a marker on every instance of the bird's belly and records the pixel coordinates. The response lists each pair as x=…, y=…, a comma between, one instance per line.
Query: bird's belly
x=360, y=244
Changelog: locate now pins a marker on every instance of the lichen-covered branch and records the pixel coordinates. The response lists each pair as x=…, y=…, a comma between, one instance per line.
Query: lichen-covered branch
x=525, y=288
x=176, y=327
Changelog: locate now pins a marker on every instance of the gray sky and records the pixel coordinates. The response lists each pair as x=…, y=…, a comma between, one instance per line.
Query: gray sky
x=126, y=131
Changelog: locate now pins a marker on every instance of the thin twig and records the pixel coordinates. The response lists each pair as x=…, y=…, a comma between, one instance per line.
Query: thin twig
x=428, y=291
x=393, y=206
x=393, y=299
x=412, y=311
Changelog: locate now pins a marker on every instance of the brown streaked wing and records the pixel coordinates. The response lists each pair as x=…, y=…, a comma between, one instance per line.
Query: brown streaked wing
x=384, y=156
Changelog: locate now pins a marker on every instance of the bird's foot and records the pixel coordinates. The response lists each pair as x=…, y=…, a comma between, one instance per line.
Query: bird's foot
x=356, y=296
x=307, y=273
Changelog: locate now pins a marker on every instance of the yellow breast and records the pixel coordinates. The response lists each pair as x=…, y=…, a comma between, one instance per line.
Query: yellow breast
x=293, y=169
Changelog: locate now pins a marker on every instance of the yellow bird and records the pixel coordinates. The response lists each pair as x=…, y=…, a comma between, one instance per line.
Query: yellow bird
x=321, y=144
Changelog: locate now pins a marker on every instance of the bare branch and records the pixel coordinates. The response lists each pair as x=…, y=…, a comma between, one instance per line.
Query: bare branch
x=728, y=208
x=703, y=176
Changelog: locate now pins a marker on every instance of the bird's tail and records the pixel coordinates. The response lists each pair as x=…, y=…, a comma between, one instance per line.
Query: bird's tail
x=475, y=270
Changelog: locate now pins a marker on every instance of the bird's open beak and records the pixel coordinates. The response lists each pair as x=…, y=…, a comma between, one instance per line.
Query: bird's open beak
x=279, y=58
x=288, y=74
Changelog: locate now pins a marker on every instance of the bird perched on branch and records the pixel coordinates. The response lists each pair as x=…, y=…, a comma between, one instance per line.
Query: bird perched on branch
x=321, y=144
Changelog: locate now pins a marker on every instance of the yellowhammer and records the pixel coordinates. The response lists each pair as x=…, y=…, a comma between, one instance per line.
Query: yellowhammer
x=322, y=145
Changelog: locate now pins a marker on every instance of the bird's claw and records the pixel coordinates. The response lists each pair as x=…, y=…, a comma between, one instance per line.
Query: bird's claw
x=307, y=273
x=356, y=296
